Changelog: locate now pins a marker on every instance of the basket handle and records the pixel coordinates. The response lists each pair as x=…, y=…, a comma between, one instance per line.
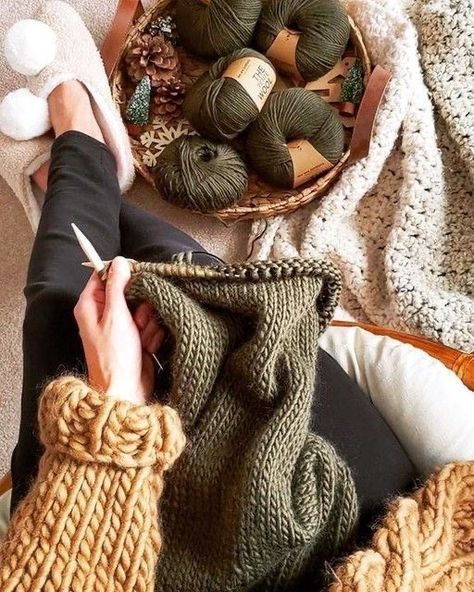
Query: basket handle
x=115, y=39
x=368, y=109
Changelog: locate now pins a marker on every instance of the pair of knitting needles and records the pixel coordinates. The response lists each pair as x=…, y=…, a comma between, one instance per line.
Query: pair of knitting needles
x=98, y=264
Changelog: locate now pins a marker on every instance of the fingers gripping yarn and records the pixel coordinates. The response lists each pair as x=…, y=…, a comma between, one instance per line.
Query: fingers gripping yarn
x=425, y=543
x=90, y=522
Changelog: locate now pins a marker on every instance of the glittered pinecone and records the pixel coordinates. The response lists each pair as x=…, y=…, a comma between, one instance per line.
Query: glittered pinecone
x=154, y=57
x=168, y=98
x=164, y=26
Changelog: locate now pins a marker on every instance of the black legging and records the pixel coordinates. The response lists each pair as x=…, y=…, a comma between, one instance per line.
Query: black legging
x=83, y=188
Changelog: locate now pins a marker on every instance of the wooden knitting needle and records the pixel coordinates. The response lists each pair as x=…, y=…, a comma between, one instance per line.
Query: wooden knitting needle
x=90, y=252
x=99, y=265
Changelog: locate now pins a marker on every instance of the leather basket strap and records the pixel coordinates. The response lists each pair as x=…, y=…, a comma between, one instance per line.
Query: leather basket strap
x=368, y=108
x=115, y=39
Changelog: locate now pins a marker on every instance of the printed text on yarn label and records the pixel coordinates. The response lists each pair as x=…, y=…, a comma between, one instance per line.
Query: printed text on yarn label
x=282, y=52
x=256, y=76
x=307, y=161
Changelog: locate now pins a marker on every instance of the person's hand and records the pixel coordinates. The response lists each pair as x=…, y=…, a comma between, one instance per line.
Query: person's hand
x=117, y=344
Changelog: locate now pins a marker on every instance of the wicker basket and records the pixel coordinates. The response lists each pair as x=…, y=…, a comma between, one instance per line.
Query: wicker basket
x=261, y=200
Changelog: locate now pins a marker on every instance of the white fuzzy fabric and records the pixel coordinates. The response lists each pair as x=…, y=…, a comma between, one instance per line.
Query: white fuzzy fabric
x=23, y=115
x=85, y=66
x=4, y=513
x=400, y=223
x=29, y=46
x=425, y=404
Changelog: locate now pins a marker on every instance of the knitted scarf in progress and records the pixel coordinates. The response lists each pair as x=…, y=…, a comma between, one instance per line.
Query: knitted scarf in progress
x=90, y=521
x=256, y=496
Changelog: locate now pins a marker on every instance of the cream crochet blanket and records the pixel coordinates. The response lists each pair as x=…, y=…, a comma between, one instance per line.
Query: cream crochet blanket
x=400, y=223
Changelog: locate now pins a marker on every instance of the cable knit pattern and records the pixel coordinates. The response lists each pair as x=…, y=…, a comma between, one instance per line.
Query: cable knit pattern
x=400, y=223
x=90, y=521
x=425, y=544
x=257, y=497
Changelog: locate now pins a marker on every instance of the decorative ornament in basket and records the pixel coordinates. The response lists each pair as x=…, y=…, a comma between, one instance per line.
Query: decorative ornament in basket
x=167, y=123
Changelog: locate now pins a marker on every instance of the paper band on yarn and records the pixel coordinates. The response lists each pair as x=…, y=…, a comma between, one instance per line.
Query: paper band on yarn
x=282, y=52
x=256, y=77
x=307, y=161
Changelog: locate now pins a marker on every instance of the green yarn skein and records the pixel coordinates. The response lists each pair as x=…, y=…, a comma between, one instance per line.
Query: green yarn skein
x=323, y=26
x=199, y=174
x=214, y=28
x=293, y=114
x=220, y=107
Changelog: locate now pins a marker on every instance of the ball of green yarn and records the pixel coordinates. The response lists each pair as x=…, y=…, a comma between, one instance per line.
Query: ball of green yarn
x=220, y=107
x=293, y=114
x=214, y=28
x=323, y=26
x=199, y=174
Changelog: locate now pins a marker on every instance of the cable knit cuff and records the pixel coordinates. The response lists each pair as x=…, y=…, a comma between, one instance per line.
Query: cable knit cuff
x=91, y=427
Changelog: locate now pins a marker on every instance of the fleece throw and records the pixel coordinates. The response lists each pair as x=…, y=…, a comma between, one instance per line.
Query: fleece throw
x=400, y=223
x=257, y=500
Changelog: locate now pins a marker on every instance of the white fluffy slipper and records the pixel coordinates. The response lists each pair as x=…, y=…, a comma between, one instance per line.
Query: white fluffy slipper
x=18, y=161
x=54, y=48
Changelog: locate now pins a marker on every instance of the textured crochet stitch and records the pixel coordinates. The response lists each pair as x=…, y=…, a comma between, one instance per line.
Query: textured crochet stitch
x=257, y=496
x=400, y=223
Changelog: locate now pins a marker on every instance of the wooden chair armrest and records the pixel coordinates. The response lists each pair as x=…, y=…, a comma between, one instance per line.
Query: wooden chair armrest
x=461, y=363
x=5, y=483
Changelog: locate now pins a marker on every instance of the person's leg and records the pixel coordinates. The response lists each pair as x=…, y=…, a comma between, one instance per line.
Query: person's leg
x=82, y=188
x=346, y=417
x=146, y=237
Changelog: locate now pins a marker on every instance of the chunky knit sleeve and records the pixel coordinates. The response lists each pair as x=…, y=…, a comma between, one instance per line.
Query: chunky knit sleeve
x=89, y=522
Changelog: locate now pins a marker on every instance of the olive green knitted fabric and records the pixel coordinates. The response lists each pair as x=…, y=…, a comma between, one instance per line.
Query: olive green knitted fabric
x=256, y=495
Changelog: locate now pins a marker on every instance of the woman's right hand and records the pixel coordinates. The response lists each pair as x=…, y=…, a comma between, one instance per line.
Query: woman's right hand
x=118, y=346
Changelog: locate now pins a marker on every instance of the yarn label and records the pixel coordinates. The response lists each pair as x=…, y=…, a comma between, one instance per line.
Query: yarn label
x=256, y=76
x=307, y=161
x=282, y=52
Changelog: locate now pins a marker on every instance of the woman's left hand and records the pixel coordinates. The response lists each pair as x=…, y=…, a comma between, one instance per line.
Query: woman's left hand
x=118, y=346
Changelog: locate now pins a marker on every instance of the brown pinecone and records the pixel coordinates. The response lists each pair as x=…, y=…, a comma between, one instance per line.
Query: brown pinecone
x=153, y=56
x=168, y=98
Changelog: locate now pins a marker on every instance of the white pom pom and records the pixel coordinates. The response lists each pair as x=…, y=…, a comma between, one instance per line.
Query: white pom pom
x=29, y=46
x=23, y=115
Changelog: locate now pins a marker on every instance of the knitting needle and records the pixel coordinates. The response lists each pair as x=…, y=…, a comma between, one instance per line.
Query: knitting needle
x=90, y=252
x=98, y=264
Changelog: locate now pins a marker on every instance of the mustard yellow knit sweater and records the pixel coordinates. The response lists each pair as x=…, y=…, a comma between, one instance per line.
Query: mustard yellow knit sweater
x=90, y=523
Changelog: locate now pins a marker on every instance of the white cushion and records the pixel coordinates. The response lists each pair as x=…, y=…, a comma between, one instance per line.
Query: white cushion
x=426, y=404
x=4, y=512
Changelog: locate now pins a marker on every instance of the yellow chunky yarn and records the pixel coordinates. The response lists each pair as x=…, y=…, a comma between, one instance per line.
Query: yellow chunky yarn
x=425, y=543
x=90, y=522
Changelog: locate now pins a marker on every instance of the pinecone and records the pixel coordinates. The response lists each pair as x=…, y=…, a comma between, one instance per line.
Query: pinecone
x=154, y=57
x=168, y=98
